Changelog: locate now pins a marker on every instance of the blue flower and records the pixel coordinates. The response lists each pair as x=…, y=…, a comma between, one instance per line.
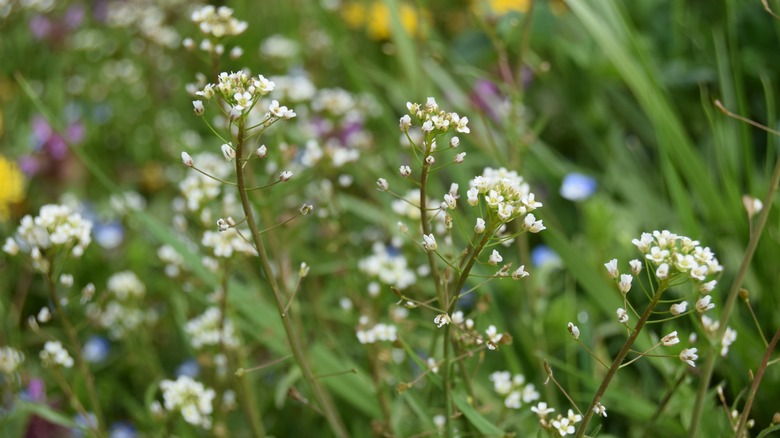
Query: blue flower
x=542, y=256
x=96, y=349
x=578, y=187
x=189, y=368
x=122, y=429
x=109, y=235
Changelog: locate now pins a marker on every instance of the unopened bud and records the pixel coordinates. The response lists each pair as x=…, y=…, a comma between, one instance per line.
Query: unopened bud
x=186, y=159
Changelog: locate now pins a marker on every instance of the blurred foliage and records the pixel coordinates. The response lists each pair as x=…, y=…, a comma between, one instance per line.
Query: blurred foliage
x=620, y=91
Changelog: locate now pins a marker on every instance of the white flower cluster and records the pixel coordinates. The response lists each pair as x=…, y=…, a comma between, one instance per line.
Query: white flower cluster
x=174, y=262
x=241, y=92
x=122, y=312
x=148, y=17
x=675, y=255
x=227, y=242
x=379, y=332
x=10, y=360
x=126, y=285
x=197, y=188
x=389, y=266
x=279, y=47
x=564, y=425
x=53, y=354
x=514, y=389
x=432, y=119
x=218, y=22
x=204, y=330
x=189, y=397
x=507, y=196
x=56, y=226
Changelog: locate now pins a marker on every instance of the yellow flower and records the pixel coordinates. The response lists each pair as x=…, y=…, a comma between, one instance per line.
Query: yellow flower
x=378, y=21
x=11, y=190
x=501, y=7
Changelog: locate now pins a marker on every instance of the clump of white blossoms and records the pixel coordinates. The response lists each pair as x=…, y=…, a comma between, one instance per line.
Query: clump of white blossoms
x=379, y=332
x=226, y=243
x=204, y=330
x=57, y=227
x=507, y=197
x=241, y=92
x=53, y=355
x=218, y=22
x=10, y=359
x=121, y=312
x=676, y=257
x=389, y=266
x=514, y=389
x=190, y=398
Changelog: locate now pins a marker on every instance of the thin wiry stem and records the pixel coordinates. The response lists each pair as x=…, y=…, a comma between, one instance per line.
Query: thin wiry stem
x=293, y=338
x=755, y=235
x=619, y=359
x=73, y=337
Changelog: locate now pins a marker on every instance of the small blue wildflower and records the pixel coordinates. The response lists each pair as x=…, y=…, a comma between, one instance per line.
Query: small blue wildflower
x=96, y=349
x=542, y=256
x=578, y=187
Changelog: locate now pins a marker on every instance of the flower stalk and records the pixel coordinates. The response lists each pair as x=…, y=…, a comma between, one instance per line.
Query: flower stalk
x=618, y=361
x=296, y=345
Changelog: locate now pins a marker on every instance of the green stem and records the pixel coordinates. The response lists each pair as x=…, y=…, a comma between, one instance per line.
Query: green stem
x=619, y=359
x=440, y=293
x=754, y=387
x=296, y=344
x=80, y=362
x=755, y=235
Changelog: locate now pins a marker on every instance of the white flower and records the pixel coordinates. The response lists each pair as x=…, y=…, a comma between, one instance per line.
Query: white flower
x=472, y=196
x=382, y=185
x=261, y=151
x=228, y=152
x=11, y=247
x=622, y=315
x=542, y=410
x=430, y=160
x=442, y=320
x=495, y=258
x=454, y=142
x=679, y=308
x=612, y=268
x=574, y=330
x=531, y=224
x=211, y=329
x=479, y=228
x=563, y=426
x=44, y=315
x=10, y=360
x=688, y=355
x=625, y=283
x=189, y=397
x=451, y=201
x=459, y=158
x=662, y=272
x=198, y=107
x=520, y=273
x=53, y=354
x=728, y=338
x=285, y=175
x=636, y=266
x=599, y=409
x=405, y=170
x=457, y=317
x=493, y=337
x=429, y=242
x=708, y=286
x=405, y=123
x=704, y=304
x=432, y=365
x=670, y=339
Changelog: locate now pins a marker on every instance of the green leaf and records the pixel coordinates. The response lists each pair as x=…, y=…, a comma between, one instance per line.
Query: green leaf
x=485, y=426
